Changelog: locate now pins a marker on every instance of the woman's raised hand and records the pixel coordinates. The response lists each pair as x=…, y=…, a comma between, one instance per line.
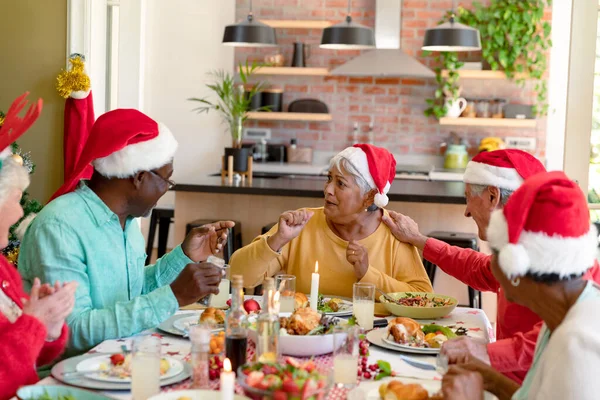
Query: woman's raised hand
x=358, y=256
x=290, y=225
x=51, y=309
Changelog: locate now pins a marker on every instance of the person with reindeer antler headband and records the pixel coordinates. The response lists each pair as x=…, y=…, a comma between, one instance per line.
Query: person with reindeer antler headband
x=32, y=328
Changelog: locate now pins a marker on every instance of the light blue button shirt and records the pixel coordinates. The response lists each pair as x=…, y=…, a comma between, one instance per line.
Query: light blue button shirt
x=78, y=238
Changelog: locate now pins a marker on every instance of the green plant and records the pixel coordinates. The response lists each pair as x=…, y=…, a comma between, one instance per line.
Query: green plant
x=233, y=100
x=514, y=38
x=448, y=86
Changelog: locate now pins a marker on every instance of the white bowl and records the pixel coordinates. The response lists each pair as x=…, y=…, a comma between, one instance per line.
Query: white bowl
x=303, y=346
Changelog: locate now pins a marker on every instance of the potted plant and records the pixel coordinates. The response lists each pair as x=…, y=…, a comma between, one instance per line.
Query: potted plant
x=514, y=38
x=233, y=103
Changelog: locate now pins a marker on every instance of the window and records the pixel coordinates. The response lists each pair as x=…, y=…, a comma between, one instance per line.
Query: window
x=594, y=159
x=112, y=54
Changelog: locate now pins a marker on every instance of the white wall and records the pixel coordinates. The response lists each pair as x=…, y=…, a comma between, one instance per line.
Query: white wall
x=182, y=44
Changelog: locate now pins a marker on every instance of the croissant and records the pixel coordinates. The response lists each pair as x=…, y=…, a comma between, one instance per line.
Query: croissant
x=406, y=330
x=213, y=316
x=396, y=390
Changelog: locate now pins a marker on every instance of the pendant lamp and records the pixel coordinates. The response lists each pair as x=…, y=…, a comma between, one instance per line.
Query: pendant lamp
x=347, y=35
x=249, y=33
x=452, y=36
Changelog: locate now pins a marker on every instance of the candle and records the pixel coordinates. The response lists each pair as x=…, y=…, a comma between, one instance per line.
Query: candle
x=227, y=381
x=314, y=288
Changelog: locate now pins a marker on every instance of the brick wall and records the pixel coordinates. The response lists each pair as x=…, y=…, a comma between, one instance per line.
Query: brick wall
x=395, y=106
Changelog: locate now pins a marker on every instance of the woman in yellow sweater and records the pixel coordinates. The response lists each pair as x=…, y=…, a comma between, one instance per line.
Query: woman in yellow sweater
x=346, y=236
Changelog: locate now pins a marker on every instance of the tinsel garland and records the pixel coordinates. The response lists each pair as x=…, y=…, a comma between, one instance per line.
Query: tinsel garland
x=73, y=80
x=11, y=252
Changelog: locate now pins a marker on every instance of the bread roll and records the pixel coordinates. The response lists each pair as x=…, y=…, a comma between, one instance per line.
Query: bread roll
x=396, y=390
x=213, y=316
x=301, y=301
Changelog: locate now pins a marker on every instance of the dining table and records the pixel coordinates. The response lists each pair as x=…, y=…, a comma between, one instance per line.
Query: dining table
x=405, y=365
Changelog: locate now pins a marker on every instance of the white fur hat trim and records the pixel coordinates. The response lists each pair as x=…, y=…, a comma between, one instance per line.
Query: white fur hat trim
x=539, y=253
x=484, y=174
x=142, y=156
x=80, y=94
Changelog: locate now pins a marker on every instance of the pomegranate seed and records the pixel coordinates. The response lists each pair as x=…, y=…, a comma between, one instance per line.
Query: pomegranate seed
x=367, y=375
x=373, y=367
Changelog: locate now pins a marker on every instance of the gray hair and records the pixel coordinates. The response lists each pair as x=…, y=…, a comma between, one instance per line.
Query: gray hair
x=12, y=176
x=505, y=194
x=342, y=164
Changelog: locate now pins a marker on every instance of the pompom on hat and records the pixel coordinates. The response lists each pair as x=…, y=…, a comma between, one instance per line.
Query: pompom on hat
x=375, y=165
x=122, y=143
x=504, y=169
x=544, y=229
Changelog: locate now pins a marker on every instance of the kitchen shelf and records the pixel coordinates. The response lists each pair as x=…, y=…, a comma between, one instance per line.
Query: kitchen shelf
x=288, y=116
x=290, y=71
x=479, y=74
x=490, y=122
x=296, y=24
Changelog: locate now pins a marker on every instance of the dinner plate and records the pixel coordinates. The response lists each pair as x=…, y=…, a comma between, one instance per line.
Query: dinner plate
x=96, y=363
x=345, y=306
x=185, y=323
x=378, y=338
x=370, y=390
x=194, y=395
x=169, y=326
x=70, y=365
x=55, y=391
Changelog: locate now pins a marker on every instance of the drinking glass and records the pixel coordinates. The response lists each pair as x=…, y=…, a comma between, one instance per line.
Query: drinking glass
x=219, y=262
x=286, y=284
x=363, y=304
x=145, y=367
x=220, y=300
x=346, y=341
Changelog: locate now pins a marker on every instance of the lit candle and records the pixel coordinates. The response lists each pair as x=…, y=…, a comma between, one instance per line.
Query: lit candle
x=227, y=381
x=314, y=288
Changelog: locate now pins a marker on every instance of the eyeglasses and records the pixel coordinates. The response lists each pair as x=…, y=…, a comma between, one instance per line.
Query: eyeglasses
x=170, y=182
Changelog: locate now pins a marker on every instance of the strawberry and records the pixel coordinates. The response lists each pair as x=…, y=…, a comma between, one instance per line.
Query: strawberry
x=117, y=359
x=310, y=386
x=293, y=362
x=290, y=386
x=269, y=369
x=280, y=395
x=229, y=303
x=254, y=378
x=272, y=382
x=309, y=366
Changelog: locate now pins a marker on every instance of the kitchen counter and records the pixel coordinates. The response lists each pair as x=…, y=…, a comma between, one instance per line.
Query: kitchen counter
x=312, y=186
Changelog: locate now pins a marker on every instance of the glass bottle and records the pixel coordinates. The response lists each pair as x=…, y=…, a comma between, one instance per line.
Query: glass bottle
x=267, y=326
x=236, y=327
x=200, y=358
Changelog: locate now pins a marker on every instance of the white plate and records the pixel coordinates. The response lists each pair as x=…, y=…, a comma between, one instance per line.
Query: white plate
x=370, y=390
x=411, y=349
x=93, y=364
x=194, y=395
x=184, y=324
x=378, y=337
x=345, y=307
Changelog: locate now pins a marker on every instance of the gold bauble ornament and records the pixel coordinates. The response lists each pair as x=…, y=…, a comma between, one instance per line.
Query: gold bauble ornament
x=17, y=159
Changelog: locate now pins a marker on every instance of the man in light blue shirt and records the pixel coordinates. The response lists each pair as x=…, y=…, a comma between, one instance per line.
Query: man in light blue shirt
x=90, y=236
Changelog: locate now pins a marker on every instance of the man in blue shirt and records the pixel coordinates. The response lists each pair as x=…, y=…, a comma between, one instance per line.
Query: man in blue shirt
x=89, y=234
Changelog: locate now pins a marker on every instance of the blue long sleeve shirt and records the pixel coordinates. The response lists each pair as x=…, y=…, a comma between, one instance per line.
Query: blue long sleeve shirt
x=78, y=238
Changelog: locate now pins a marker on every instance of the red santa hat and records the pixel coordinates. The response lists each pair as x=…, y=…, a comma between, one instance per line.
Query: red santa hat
x=122, y=143
x=504, y=169
x=375, y=165
x=544, y=229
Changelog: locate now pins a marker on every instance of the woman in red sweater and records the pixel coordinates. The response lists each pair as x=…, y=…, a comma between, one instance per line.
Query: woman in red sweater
x=32, y=328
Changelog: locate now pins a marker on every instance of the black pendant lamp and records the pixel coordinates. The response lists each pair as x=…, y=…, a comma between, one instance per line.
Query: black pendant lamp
x=452, y=36
x=347, y=35
x=249, y=33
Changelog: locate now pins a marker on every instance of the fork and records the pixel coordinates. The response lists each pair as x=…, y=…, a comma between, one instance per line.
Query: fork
x=386, y=296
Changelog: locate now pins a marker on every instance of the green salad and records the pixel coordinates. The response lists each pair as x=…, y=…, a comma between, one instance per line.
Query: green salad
x=47, y=396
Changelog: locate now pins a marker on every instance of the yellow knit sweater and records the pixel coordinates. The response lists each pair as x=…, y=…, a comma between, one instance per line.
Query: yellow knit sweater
x=393, y=266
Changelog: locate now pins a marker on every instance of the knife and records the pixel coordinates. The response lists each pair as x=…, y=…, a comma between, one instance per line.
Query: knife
x=418, y=364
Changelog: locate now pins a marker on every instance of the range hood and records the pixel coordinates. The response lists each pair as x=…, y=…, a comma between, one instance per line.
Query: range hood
x=388, y=59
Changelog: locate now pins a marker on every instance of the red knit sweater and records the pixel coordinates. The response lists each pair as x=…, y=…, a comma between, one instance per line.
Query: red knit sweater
x=23, y=345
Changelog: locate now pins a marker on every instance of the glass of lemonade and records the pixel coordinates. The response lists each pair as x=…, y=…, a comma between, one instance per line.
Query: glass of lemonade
x=363, y=304
x=145, y=367
x=286, y=284
x=345, y=355
x=220, y=300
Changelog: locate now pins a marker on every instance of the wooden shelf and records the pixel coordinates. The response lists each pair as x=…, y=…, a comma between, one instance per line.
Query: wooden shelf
x=490, y=122
x=290, y=71
x=478, y=74
x=296, y=24
x=288, y=116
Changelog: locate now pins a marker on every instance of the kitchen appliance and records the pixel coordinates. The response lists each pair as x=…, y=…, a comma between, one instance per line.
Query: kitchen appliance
x=308, y=106
x=276, y=153
x=299, y=57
